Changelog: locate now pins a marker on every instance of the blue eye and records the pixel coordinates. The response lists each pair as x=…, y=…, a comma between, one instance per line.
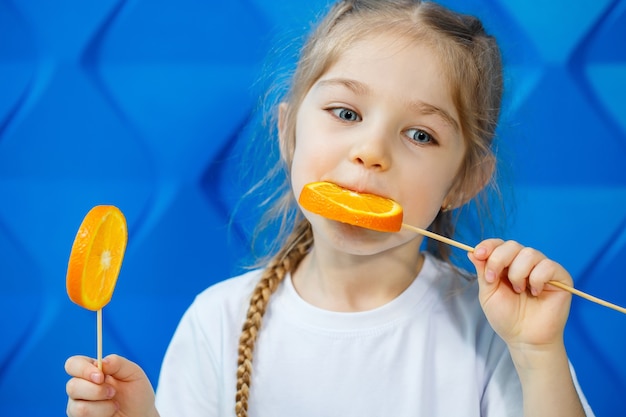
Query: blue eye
x=346, y=114
x=420, y=136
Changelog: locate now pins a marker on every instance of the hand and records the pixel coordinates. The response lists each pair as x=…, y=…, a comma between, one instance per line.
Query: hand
x=513, y=291
x=120, y=389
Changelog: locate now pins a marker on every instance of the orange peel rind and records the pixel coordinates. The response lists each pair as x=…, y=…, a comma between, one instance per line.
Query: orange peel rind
x=96, y=257
x=365, y=210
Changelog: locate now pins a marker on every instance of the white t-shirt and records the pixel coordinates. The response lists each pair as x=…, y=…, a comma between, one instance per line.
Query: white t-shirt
x=429, y=352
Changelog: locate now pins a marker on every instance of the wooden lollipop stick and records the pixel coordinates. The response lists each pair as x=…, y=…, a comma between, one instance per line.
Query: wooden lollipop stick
x=99, y=337
x=587, y=296
x=560, y=285
x=439, y=237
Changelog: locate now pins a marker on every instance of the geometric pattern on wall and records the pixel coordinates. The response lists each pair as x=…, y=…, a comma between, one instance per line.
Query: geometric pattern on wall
x=148, y=105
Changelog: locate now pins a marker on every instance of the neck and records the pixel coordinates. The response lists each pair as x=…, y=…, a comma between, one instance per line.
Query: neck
x=350, y=283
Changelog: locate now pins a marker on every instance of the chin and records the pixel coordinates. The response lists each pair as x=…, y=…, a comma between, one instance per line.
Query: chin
x=354, y=240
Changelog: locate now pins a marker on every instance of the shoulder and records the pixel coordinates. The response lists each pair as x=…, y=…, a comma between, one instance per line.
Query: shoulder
x=220, y=306
x=203, y=351
x=453, y=283
x=210, y=319
x=466, y=330
x=237, y=284
x=456, y=293
x=228, y=296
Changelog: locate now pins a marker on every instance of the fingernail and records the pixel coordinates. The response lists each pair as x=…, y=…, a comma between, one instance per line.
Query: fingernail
x=534, y=291
x=517, y=289
x=490, y=276
x=97, y=377
x=480, y=252
x=110, y=392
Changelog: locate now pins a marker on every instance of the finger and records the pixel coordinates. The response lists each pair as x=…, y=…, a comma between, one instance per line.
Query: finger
x=79, y=408
x=545, y=271
x=500, y=260
x=521, y=267
x=84, y=367
x=483, y=250
x=81, y=389
x=481, y=254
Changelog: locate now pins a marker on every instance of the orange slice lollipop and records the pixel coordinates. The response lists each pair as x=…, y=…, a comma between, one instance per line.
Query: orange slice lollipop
x=378, y=213
x=96, y=257
x=359, y=209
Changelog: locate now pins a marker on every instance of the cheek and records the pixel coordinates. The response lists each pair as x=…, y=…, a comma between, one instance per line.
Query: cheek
x=299, y=164
x=298, y=173
x=421, y=209
x=306, y=165
x=426, y=196
x=313, y=159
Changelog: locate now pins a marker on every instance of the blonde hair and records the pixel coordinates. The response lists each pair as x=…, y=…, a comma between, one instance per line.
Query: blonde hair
x=473, y=63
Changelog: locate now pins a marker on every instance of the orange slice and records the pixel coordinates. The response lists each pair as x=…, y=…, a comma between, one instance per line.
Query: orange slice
x=96, y=257
x=359, y=209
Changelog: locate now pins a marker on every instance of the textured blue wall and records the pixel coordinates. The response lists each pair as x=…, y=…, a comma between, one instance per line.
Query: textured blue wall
x=145, y=105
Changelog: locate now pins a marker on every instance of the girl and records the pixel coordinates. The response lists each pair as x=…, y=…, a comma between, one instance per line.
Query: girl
x=398, y=98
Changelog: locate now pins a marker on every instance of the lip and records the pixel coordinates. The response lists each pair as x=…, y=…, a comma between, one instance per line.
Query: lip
x=357, y=189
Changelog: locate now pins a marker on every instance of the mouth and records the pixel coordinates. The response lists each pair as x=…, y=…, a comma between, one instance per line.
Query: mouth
x=343, y=204
x=358, y=189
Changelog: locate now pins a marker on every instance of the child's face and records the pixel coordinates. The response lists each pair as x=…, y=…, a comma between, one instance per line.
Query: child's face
x=381, y=120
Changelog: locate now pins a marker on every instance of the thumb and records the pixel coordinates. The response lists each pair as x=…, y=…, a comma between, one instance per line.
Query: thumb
x=487, y=280
x=478, y=258
x=121, y=368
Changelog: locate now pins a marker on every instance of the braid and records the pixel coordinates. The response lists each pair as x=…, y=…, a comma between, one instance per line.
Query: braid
x=287, y=260
x=472, y=63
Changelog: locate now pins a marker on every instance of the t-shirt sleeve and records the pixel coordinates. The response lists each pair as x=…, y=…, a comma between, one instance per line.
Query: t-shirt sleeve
x=188, y=384
x=502, y=395
x=588, y=411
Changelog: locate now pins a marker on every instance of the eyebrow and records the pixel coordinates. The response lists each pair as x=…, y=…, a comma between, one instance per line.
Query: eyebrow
x=426, y=108
x=418, y=106
x=355, y=86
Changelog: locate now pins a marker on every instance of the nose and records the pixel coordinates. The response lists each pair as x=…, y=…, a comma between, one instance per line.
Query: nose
x=372, y=152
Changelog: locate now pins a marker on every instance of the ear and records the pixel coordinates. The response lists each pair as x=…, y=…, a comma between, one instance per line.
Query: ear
x=469, y=182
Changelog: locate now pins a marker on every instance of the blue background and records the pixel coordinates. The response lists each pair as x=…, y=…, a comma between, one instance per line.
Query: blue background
x=148, y=105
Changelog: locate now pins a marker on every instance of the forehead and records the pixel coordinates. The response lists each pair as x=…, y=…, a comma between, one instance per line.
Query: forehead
x=377, y=51
x=400, y=68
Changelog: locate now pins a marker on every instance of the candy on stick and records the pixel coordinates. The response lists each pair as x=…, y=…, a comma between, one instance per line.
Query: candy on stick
x=382, y=214
x=365, y=210
x=95, y=262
